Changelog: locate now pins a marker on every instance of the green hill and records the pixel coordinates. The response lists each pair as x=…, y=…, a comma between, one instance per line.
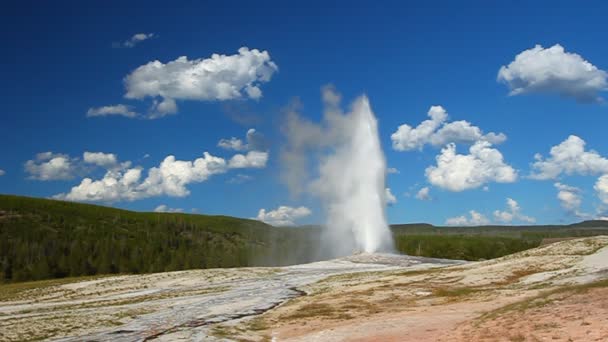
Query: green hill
x=41, y=239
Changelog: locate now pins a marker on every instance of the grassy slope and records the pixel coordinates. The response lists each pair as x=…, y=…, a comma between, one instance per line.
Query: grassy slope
x=41, y=239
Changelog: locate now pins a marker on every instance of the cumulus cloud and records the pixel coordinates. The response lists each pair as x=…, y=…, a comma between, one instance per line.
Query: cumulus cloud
x=570, y=199
x=601, y=188
x=508, y=216
x=233, y=143
x=164, y=107
x=513, y=213
x=569, y=157
x=51, y=166
x=392, y=170
x=553, y=70
x=283, y=215
x=119, y=109
x=218, y=78
x=56, y=166
x=114, y=186
x=171, y=177
x=2, y=172
x=253, y=159
x=163, y=208
x=458, y=172
x=424, y=194
x=475, y=219
x=105, y=160
x=254, y=141
x=438, y=132
x=389, y=197
x=138, y=38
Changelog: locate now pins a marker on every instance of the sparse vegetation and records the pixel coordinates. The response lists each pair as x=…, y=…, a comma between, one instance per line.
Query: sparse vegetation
x=544, y=298
x=312, y=310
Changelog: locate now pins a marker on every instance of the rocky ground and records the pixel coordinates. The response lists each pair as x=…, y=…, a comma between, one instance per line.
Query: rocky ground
x=556, y=292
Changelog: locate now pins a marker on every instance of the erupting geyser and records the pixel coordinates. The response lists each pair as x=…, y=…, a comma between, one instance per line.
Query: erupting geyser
x=351, y=174
x=351, y=184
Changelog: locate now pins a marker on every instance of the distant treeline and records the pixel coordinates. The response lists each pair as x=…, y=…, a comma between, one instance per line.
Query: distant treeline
x=41, y=239
x=463, y=247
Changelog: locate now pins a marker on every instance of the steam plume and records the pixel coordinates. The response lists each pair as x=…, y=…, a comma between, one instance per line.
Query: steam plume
x=345, y=151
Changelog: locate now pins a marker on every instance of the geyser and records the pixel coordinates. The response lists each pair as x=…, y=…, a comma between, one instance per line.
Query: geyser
x=350, y=180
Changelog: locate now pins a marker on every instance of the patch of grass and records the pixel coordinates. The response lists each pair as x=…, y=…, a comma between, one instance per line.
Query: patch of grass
x=517, y=338
x=359, y=306
x=312, y=310
x=20, y=291
x=257, y=324
x=220, y=331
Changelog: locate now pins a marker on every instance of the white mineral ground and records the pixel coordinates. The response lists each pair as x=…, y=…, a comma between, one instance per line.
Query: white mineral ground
x=532, y=295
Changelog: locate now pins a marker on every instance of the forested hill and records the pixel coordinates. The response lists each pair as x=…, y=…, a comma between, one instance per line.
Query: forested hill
x=41, y=238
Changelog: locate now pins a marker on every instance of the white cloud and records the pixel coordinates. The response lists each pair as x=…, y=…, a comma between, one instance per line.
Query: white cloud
x=56, y=166
x=253, y=159
x=255, y=141
x=163, y=208
x=166, y=106
x=458, y=172
x=138, y=38
x=476, y=219
x=51, y=166
x=553, y=70
x=2, y=172
x=233, y=143
x=118, y=109
x=513, y=213
x=424, y=194
x=170, y=178
x=601, y=187
x=570, y=199
x=283, y=215
x=114, y=186
x=392, y=170
x=105, y=160
x=569, y=157
x=389, y=198
x=409, y=138
x=437, y=132
x=217, y=78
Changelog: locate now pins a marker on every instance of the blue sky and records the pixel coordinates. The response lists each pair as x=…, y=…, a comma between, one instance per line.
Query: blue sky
x=65, y=60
